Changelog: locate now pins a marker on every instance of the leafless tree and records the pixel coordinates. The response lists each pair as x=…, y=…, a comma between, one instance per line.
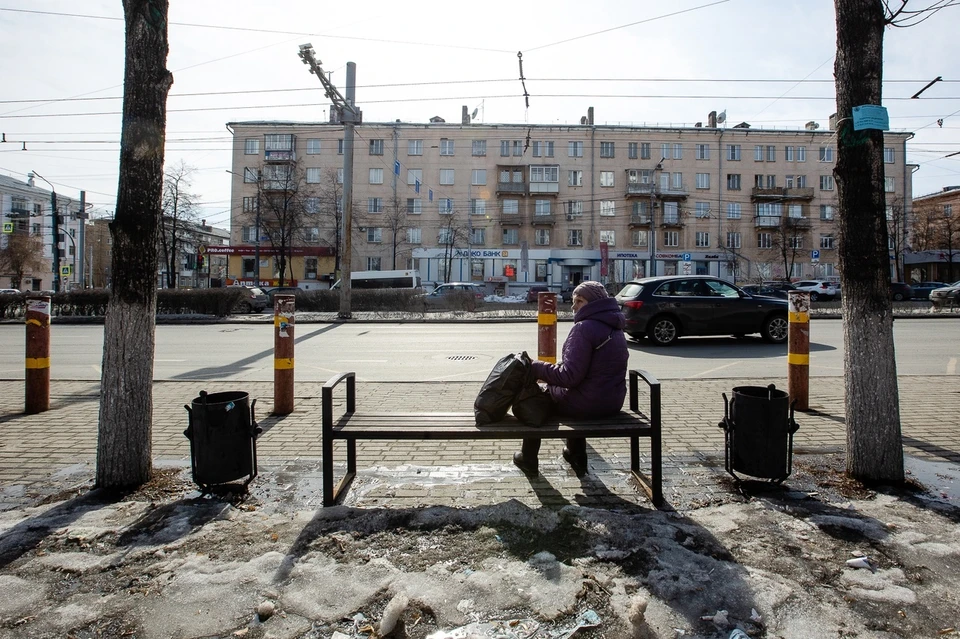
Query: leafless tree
x=733, y=253
x=179, y=218
x=452, y=233
x=22, y=254
x=897, y=232
x=788, y=240
x=395, y=221
x=126, y=386
x=286, y=202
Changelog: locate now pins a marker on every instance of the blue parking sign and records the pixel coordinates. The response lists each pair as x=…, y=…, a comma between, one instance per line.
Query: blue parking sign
x=815, y=255
x=686, y=257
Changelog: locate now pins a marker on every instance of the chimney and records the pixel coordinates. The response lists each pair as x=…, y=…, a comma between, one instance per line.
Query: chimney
x=833, y=122
x=465, y=115
x=712, y=119
x=590, y=116
x=30, y=179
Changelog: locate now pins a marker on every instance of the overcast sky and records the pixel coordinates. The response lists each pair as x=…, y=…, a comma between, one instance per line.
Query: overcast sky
x=766, y=62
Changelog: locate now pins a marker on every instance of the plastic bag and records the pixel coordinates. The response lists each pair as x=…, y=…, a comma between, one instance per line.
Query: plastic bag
x=533, y=406
x=501, y=389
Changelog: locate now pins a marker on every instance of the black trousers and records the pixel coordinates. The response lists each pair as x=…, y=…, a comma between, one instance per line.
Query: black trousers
x=577, y=446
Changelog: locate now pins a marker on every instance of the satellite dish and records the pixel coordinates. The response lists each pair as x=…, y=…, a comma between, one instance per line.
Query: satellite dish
x=473, y=116
x=722, y=117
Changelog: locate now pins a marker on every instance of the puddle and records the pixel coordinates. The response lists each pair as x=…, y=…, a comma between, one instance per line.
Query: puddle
x=941, y=479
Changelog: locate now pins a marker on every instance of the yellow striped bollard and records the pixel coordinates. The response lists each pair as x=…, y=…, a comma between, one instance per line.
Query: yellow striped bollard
x=547, y=327
x=37, y=360
x=798, y=349
x=283, y=321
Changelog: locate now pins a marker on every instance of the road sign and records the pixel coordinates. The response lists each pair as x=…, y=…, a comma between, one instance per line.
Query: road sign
x=65, y=270
x=815, y=255
x=686, y=257
x=8, y=227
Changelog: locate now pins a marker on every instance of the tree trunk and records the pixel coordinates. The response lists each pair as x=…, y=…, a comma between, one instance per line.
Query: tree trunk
x=126, y=404
x=874, y=446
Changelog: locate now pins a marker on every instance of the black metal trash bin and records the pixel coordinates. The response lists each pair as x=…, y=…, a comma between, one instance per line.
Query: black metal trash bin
x=759, y=428
x=223, y=438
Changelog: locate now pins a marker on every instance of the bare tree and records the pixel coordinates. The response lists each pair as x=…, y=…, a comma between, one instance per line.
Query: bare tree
x=22, y=254
x=897, y=232
x=733, y=254
x=788, y=239
x=331, y=214
x=395, y=221
x=126, y=386
x=285, y=205
x=179, y=217
x=452, y=232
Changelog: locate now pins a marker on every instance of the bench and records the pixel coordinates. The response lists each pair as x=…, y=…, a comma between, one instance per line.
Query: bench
x=356, y=425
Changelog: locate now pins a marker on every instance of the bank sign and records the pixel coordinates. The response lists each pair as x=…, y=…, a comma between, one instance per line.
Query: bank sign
x=481, y=253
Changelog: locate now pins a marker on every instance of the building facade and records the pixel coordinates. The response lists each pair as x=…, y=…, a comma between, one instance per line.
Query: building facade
x=514, y=205
x=26, y=213
x=934, y=251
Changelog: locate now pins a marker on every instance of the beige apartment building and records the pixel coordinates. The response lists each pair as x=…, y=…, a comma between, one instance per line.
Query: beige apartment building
x=512, y=205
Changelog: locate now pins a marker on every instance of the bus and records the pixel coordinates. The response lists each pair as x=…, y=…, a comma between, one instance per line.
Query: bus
x=409, y=278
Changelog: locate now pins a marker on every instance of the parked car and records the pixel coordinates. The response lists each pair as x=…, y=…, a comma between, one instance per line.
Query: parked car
x=779, y=286
x=921, y=290
x=533, y=293
x=566, y=294
x=948, y=295
x=9, y=291
x=818, y=289
x=455, y=294
x=254, y=300
x=900, y=291
x=285, y=290
x=763, y=290
x=665, y=308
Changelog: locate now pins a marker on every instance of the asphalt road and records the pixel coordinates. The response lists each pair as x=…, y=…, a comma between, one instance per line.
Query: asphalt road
x=451, y=351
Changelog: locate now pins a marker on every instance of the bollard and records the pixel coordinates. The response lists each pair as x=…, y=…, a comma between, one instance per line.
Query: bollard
x=37, y=361
x=547, y=327
x=283, y=320
x=798, y=349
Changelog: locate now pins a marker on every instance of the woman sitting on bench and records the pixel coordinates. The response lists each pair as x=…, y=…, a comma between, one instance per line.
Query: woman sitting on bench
x=590, y=380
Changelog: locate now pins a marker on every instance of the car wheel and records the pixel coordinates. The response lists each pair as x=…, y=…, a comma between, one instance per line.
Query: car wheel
x=663, y=331
x=243, y=307
x=814, y=297
x=776, y=329
x=898, y=297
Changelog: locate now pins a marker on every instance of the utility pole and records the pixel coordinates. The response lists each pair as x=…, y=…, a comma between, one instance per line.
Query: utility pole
x=82, y=216
x=654, y=185
x=349, y=116
x=56, y=233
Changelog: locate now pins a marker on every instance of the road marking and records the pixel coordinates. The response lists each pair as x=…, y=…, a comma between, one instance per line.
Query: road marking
x=718, y=368
x=952, y=366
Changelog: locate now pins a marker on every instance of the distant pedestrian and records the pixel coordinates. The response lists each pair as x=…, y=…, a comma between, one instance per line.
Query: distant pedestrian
x=590, y=380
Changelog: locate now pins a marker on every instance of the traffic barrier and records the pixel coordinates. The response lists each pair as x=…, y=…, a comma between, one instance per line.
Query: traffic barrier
x=284, y=308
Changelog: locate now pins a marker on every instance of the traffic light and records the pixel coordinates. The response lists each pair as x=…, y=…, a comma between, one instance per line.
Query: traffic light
x=200, y=261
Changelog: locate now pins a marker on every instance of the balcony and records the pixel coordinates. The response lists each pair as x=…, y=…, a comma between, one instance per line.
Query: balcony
x=673, y=193
x=798, y=222
x=775, y=193
x=639, y=219
x=511, y=219
x=766, y=221
x=672, y=221
x=511, y=188
x=637, y=189
x=548, y=219
x=799, y=193
x=544, y=188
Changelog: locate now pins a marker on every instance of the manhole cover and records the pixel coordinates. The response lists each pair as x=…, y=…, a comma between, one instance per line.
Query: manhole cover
x=461, y=358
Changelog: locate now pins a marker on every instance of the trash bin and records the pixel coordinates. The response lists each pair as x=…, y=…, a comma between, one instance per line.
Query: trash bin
x=759, y=428
x=223, y=438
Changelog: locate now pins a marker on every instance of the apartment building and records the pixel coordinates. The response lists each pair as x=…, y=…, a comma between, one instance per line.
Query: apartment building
x=512, y=205
x=933, y=253
x=27, y=224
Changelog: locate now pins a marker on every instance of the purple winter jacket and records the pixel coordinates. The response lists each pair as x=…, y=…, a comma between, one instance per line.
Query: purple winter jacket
x=590, y=380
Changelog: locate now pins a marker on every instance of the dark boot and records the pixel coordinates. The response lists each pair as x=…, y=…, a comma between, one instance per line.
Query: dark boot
x=575, y=453
x=526, y=460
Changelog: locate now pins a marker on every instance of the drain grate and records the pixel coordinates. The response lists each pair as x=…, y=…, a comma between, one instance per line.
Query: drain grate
x=461, y=358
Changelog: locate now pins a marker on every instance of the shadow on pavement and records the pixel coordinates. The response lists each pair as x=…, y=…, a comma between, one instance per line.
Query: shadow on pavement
x=749, y=347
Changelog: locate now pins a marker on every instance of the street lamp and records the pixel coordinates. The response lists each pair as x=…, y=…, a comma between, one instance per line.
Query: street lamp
x=653, y=219
x=256, y=239
x=56, y=233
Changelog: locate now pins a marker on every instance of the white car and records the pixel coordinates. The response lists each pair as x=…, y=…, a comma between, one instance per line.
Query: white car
x=818, y=289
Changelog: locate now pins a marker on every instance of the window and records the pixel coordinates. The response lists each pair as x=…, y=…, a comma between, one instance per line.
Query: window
x=764, y=240
x=374, y=205
x=575, y=149
x=702, y=210
x=644, y=150
x=610, y=237
x=677, y=151
x=376, y=176
x=251, y=146
x=250, y=175
x=311, y=205
x=948, y=210
x=826, y=241
x=703, y=151
x=478, y=206
x=632, y=150
x=733, y=240
x=373, y=263
x=541, y=237
x=446, y=177
x=310, y=268
x=639, y=238
x=446, y=146
x=606, y=178
x=826, y=212
x=478, y=177
x=414, y=147
x=733, y=152
x=414, y=176
x=769, y=209
x=511, y=236
x=414, y=206
x=574, y=178
x=790, y=153
x=445, y=235
x=376, y=147
x=510, y=207
x=606, y=150
x=889, y=185
x=543, y=149
x=771, y=181
x=313, y=175
x=504, y=148
x=665, y=150
x=545, y=174
x=250, y=204
x=703, y=239
x=478, y=148
x=734, y=210
x=826, y=182
x=888, y=209
x=795, y=211
x=517, y=177
x=313, y=146
x=826, y=154
x=278, y=142
x=478, y=236
x=340, y=175
x=733, y=181
x=676, y=181
x=574, y=208
x=671, y=213
x=801, y=154
x=542, y=207
x=374, y=235
x=413, y=235
x=888, y=156
x=446, y=206
x=703, y=180
x=758, y=153
x=311, y=234
x=607, y=208
x=340, y=146
x=575, y=237
x=517, y=148
x=248, y=234
x=795, y=242
x=671, y=238
x=771, y=153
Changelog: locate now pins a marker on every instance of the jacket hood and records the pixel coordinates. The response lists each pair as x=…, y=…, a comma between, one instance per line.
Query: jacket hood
x=605, y=310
